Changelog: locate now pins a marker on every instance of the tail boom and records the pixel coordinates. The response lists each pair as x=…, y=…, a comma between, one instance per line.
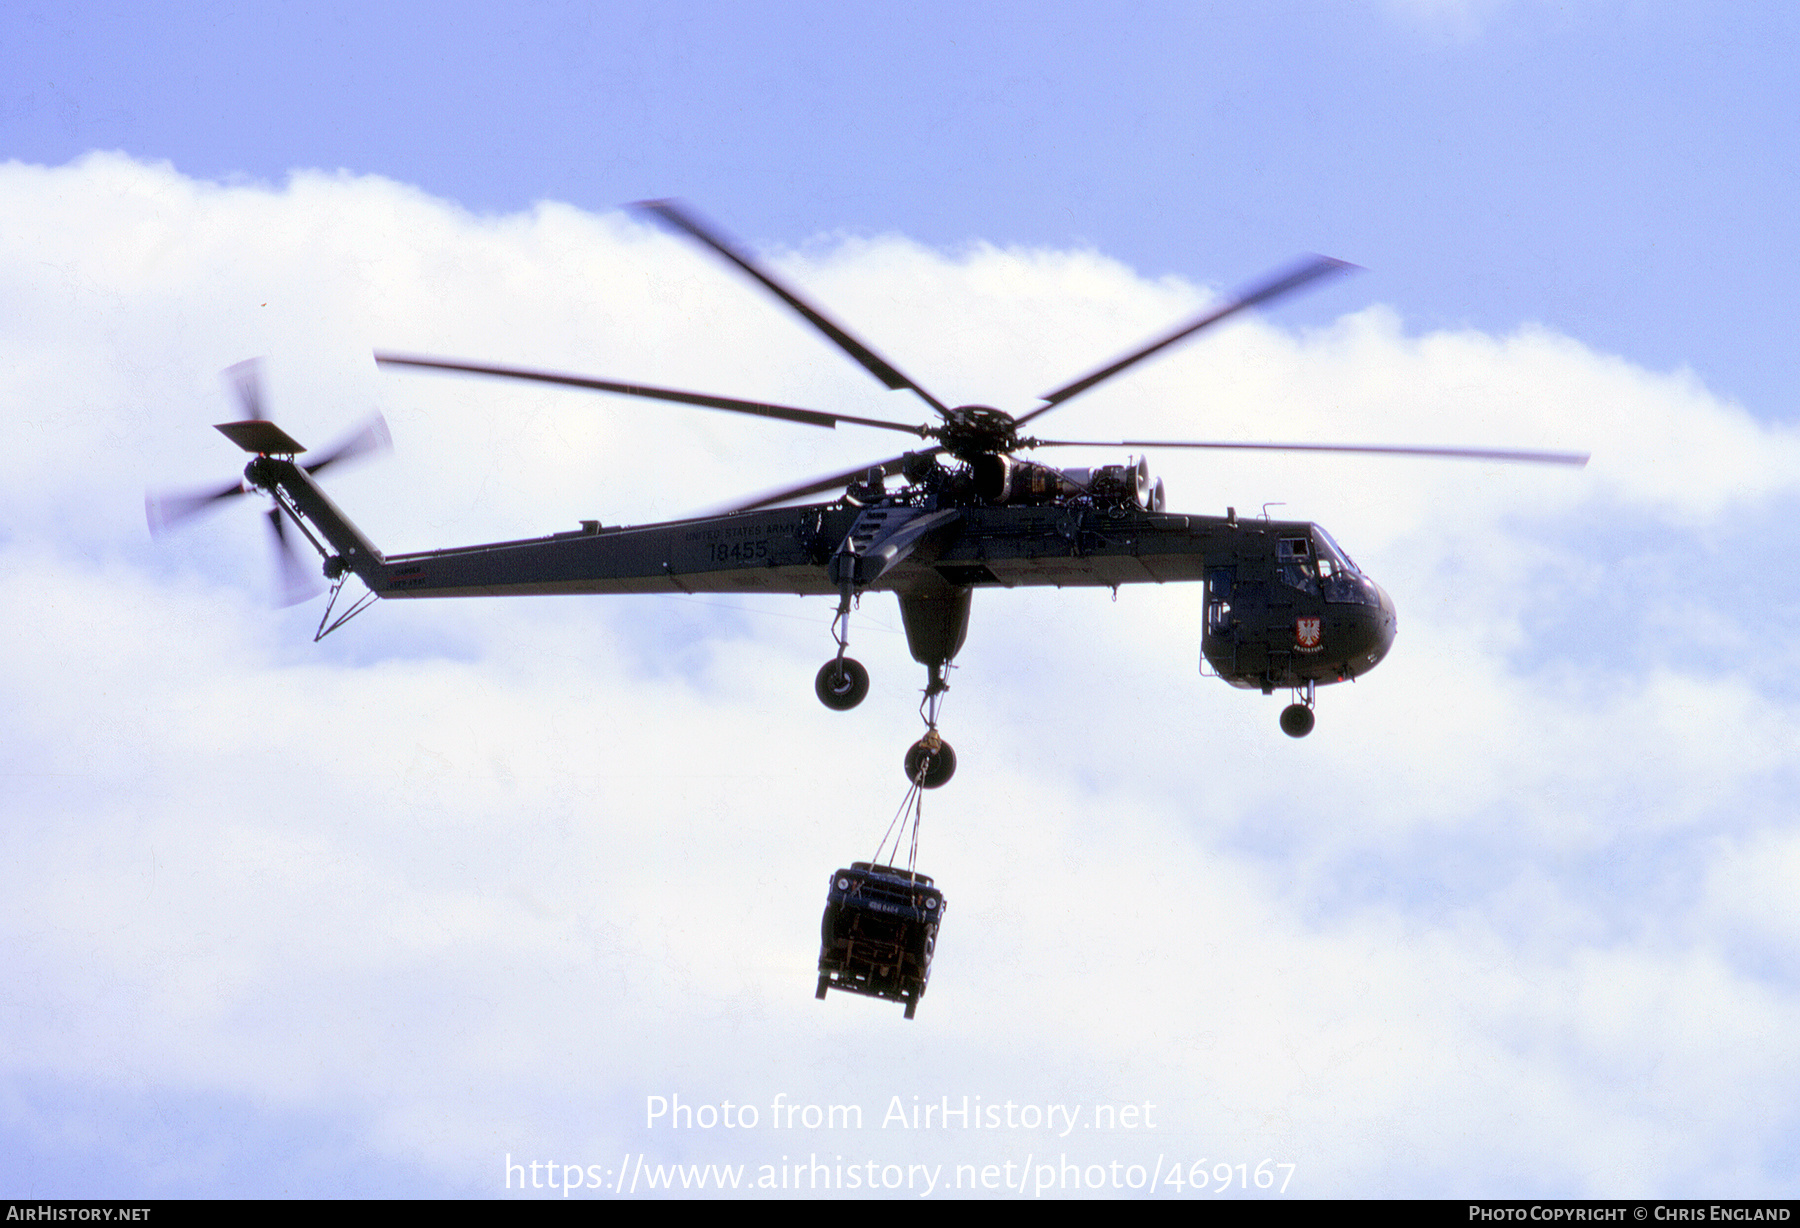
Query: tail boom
x=313, y=508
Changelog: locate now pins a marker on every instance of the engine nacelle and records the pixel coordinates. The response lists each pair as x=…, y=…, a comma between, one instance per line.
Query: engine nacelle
x=1001, y=479
x=1120, y=485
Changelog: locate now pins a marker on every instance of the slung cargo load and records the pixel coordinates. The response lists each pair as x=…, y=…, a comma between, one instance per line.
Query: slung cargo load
x=878, y=933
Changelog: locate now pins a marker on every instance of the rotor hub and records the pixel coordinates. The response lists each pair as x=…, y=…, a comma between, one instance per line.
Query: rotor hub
x=257, y=473
x=977, y=430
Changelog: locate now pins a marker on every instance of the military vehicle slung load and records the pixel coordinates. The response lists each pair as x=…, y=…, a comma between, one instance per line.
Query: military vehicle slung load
x=878, y=933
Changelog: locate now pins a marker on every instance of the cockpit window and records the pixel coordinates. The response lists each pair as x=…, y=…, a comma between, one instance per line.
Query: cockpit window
x=1340, y=580
x=1319, y=566
x=1330, y=550
x=1294, y=564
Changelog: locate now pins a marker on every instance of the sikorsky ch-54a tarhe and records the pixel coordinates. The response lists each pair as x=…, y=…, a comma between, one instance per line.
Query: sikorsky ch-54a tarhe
x=1286, y=608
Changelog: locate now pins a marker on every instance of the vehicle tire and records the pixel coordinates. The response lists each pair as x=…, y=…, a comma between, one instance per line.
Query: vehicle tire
x=824, y=984
x=841, y=684
x=937, y=765
x=1296, y=720
x=912, y=1004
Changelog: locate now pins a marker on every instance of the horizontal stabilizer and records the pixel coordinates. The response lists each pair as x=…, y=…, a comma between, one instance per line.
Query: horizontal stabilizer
x=263, y=438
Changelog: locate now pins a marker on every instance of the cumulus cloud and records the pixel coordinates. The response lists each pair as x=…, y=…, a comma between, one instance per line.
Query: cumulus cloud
x=476, y=878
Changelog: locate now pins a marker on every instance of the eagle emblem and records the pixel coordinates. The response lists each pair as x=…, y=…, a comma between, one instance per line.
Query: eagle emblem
x=1307, y=634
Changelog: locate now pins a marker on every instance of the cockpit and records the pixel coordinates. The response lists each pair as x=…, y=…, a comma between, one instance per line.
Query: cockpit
x=1318, y=565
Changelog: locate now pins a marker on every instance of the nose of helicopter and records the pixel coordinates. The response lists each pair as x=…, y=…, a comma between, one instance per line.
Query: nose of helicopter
x=1379, y=624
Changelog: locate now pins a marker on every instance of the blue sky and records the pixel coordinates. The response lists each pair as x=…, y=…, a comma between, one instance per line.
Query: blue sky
x=1616, y=171
x=476, y=879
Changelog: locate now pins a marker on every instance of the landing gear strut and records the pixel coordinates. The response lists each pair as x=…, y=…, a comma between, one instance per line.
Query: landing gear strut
x=842, y=682
x=936, y=623
x=1297, y=717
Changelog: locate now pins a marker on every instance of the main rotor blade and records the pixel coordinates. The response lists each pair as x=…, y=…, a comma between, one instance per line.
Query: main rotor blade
x=1307, y=271
x=888, y=468
x=165, y=511
x=1492, y=454
x=373, y=437
x=878, y=366
x=763, y=409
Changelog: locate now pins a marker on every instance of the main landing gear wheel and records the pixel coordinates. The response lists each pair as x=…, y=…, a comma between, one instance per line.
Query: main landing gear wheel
x=930, y=762
x=1296, y=720
x=842, y=683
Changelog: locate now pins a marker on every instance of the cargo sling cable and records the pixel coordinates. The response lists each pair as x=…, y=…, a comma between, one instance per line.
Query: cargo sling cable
x=914, y=807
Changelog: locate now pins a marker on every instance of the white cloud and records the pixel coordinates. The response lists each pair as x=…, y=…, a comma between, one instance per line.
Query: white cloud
x=474, y=878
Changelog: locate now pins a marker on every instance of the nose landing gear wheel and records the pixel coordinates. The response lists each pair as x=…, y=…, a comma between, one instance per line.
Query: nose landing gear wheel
x=842, y=684
x=1296, y=720
x=931, y=762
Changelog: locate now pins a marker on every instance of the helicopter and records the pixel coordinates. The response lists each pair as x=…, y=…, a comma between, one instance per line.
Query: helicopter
x=1286, y=608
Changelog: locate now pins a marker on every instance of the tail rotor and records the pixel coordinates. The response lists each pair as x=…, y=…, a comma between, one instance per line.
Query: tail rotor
x=296, y=580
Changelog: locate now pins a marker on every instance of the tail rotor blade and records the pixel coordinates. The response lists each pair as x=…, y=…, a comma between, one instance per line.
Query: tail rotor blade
x=165, y=511
x=372, y=437
x=245, y=379
x=297, y=581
